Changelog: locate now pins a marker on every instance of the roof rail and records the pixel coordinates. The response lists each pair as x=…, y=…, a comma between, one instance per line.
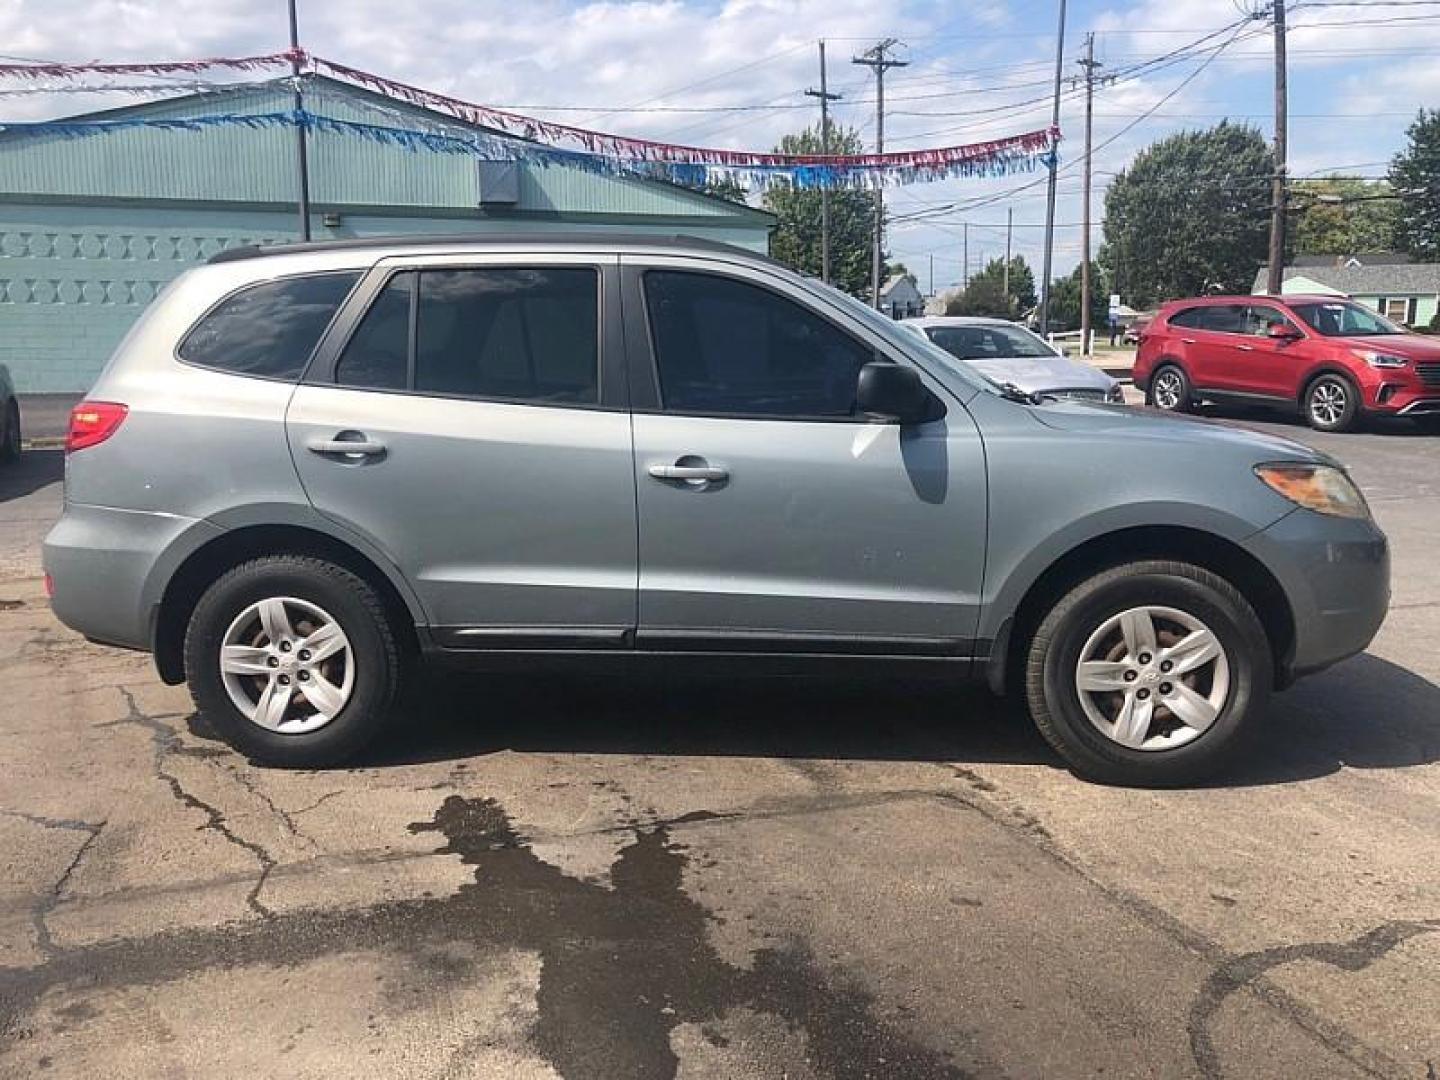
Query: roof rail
x=557, y=238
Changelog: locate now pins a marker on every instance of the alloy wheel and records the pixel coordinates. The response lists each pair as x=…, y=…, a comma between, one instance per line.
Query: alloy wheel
x=1168, y=387
x=1328, y=400
x=1152, y=678
x=287, y=665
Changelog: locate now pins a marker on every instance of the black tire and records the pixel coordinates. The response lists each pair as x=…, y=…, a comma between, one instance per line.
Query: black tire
x=1328, y=386
x=10, y=433
x=1162, y=380
x=352, y=603
x=1055, y=651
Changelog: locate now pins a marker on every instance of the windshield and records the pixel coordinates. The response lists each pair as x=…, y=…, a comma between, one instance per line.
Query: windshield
x=891, y=330
x=1341, y=318
x=982, y=342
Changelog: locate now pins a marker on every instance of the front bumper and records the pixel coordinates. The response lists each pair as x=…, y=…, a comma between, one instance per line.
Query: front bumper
x=102, y=562
x=1336, y=575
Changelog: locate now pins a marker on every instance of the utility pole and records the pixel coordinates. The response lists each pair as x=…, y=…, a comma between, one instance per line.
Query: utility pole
x=932, y=273
x=302, y=161
x=1089, y=64
x=825, y=98
x=965, y=256
x=877, y=60
x=1009, y=228
x=1275, y=276
x=1044, y=314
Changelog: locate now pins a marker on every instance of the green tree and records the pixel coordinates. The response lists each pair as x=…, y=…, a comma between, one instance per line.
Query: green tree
x=1363, y=218
x=727, y=188
x=984, y=296
x=796, y=239
x=989, y=291
x=1415, y=176
x=1189, y=215
x=1065, y=300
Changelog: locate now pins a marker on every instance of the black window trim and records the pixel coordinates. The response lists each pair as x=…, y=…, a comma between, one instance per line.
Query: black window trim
x=636, y=274
x=324, y=373
x=357, y=272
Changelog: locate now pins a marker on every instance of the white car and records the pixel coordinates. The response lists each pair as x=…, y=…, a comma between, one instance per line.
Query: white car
x=1005, y=352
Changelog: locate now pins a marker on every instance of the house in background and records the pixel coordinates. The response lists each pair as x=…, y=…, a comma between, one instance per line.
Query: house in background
x=901, y=298
x=1403, y=291
x=91, y=229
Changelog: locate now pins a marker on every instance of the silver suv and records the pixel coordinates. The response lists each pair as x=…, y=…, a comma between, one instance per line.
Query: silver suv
x=308, y=464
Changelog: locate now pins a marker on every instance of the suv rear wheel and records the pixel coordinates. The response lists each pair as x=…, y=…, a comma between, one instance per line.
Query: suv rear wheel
x=1148, y=674
x=1331, y=403
x=1169, y=389
x=293, y=660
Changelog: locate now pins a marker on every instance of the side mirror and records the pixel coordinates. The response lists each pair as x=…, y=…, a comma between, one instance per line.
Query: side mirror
x=1281, y=332
x=892, y=392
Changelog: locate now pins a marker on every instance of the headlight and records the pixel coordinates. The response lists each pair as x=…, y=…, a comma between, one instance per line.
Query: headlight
x=1117, y=394
x=1322, y=488
x=1380, y=359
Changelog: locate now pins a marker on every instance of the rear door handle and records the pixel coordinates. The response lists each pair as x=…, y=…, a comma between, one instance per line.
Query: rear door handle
x=689, y=472
x=1188, y=340
x=1245, y=348
x=348, y=447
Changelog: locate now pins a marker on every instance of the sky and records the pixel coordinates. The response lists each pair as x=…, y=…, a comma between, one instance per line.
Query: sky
x=733, y=74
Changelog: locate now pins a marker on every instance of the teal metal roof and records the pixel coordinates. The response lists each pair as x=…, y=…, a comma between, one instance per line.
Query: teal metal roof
x=257, y=166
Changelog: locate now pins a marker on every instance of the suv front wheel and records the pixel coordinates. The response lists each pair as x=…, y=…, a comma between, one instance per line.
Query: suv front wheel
x=293, y=660
x=1332, y=403
x=1148, y=674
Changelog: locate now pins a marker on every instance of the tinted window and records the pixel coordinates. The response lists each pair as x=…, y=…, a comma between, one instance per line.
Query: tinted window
x=518, y=334
x=268, y=329
x=1262, y=317
x=726, y=347
x=1188, y=319
x=1223, y=318
x=378, y=355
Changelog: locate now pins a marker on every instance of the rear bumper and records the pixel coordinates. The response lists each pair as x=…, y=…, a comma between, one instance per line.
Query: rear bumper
x=101, y=561
x=1336, y=575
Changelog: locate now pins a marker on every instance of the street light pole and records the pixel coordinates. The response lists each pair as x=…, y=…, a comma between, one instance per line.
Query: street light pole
x=301, y=157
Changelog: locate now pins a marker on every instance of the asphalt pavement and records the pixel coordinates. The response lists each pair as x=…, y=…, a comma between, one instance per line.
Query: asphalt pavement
x=700, y=878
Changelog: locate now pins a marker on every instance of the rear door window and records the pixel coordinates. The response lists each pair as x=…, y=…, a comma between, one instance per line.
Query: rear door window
x=1188, y=318
x=1224, y=318
x=377, y=356
x=267, y=330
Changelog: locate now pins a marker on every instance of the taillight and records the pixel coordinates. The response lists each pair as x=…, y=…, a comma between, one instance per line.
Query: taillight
x=93, y=422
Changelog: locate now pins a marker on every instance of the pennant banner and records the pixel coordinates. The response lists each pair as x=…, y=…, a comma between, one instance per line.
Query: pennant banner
x=547, y=131
x=287, y=58
x=999, y=157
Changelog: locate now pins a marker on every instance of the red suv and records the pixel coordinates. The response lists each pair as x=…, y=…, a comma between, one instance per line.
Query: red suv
x=1330, y=357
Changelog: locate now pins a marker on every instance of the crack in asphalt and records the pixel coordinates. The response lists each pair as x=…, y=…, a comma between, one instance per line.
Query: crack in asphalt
x=621, y=966
x=1242, y=971
x=989, y=800
x=49, y=901
x=165, y=741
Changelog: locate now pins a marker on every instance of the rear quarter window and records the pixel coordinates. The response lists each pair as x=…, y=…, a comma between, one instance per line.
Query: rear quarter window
x=270, y=329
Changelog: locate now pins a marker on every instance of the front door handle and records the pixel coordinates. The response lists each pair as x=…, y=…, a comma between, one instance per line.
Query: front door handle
x=361, y=447
x=688, y=472
x=1188, y=340
x=1245, y=348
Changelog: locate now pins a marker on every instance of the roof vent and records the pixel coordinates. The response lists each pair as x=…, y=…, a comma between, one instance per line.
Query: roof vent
x=499, y=183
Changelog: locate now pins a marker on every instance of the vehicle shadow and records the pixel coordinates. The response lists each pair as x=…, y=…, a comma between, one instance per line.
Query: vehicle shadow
x=1364, y=713
x=855, y=718
x=1372, y=425
x=35, y=469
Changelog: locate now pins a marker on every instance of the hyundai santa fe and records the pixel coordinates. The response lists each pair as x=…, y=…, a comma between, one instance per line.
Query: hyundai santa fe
x=307, y=466
x=1333, y=359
